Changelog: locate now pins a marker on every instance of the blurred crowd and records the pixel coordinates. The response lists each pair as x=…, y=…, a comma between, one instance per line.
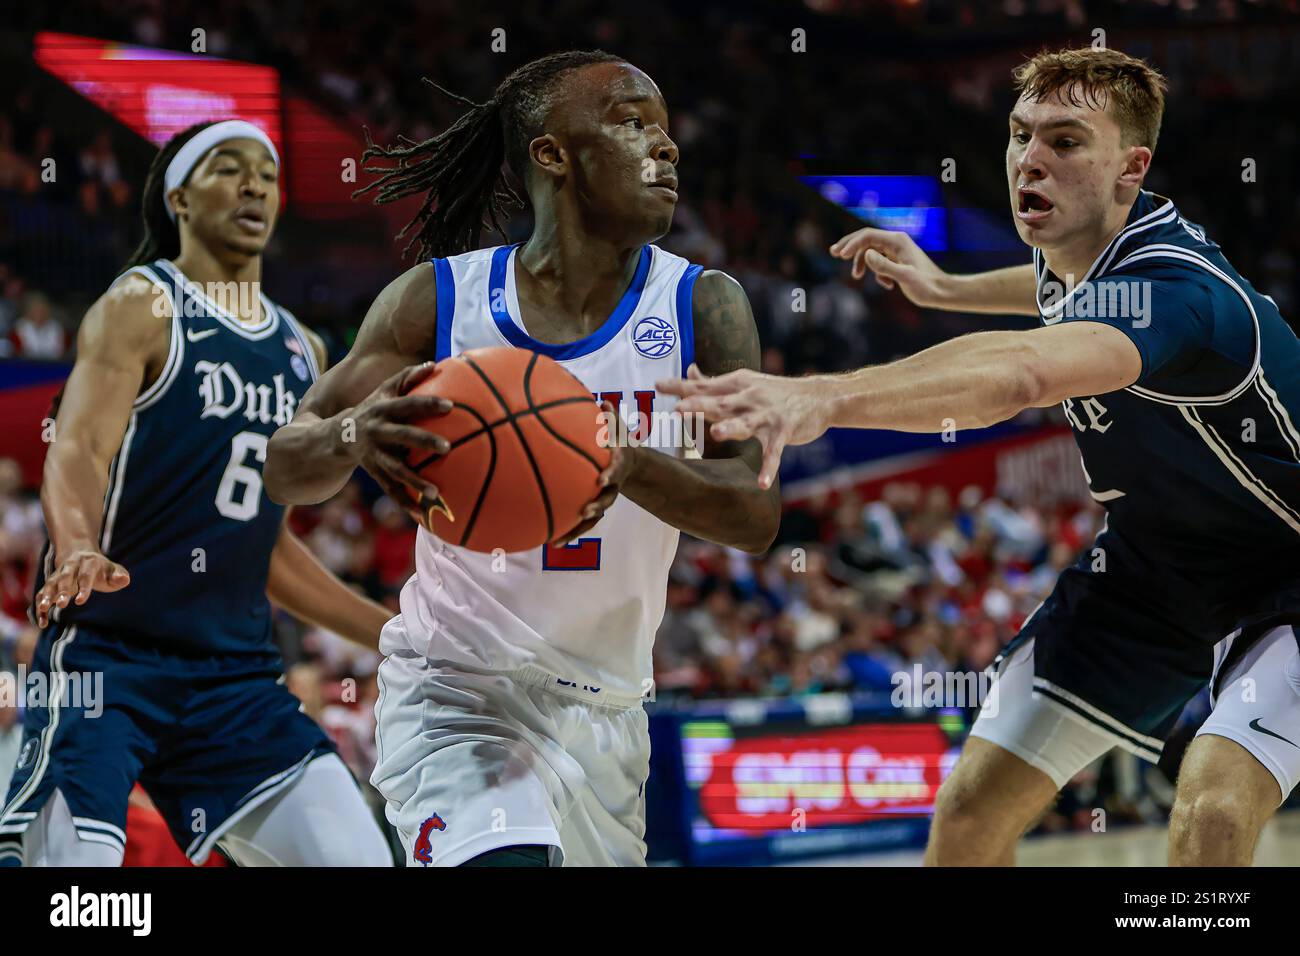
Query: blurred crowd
x=856, y=591
x=48, y=185
x=741, y=110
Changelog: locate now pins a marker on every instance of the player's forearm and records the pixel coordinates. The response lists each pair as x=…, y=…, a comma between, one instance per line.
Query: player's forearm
x=304, y=587
x=310, y=459
x=969, y=382
x=1009, y=291
x=72, y=497
x=715, y=499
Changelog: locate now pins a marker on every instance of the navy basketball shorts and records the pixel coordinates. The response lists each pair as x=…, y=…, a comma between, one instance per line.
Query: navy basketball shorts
x=1096, y=666
x=1110, y=659
x=209, y=739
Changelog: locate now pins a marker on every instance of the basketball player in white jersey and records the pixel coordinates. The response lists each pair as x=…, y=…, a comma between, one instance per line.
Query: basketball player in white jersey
x=511, y=729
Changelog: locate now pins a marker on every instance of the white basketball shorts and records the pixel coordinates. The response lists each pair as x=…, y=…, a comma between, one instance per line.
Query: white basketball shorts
x=473, y=761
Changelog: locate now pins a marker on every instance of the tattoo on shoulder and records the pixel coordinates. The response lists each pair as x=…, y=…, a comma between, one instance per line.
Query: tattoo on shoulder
x=726, y=338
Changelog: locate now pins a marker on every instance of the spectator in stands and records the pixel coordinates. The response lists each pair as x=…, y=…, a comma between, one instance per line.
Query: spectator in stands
x=37, y=334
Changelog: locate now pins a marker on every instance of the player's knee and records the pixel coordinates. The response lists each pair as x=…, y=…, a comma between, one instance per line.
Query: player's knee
x=961, y=818
x=1218, y=813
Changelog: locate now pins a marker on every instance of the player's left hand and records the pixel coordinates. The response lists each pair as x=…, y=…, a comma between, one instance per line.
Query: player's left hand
x=747, y=404
x=620, y=466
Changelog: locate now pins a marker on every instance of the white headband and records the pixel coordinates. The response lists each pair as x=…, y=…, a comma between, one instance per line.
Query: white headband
x=188, y=156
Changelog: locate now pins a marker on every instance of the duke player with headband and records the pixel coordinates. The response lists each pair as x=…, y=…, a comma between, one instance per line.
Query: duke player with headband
x=511, y=728
x=164, y=549
x=1182, y=385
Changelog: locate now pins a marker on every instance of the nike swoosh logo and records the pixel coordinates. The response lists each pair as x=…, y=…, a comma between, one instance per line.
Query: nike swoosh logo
x=193, y=336
x=1254, y=725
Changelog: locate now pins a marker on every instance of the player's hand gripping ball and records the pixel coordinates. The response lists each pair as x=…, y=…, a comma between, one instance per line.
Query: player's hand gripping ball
x=525, y=458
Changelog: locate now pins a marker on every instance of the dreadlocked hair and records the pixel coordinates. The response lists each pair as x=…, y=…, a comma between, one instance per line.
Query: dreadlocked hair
x=162, y=237
x=461, y=171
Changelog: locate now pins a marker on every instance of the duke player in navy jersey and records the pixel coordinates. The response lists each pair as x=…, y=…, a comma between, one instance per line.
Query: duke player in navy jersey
x=1182, y=385
x=511, y=729
x=164, y=549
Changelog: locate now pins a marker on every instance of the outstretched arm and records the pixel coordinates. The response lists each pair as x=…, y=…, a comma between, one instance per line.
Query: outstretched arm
x=715, y=497
x=967, y=382
x=896, y=260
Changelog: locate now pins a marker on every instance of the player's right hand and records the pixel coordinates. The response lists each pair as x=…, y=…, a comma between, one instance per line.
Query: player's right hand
x=895, y=260
x=382, y=438
x=77, y=575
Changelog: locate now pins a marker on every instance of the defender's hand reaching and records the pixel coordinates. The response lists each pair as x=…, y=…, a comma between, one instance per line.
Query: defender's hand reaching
x=747, y=404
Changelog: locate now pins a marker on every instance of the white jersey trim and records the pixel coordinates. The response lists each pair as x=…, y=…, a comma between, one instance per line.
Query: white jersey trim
x=1280, y=414
x=175, y=347
x=117, y=480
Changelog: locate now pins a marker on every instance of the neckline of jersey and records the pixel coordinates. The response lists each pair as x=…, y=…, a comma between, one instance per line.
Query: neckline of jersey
x=1099, y=265
x=501, y=279
x=270, y=314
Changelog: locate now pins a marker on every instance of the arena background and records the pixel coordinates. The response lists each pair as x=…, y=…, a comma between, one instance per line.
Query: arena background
x=778, y=731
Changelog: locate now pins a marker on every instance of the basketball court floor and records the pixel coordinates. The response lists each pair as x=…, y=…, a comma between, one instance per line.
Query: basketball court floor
x=1130, y=846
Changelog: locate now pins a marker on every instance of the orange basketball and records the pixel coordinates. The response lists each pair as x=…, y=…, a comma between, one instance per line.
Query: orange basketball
x=524, y=458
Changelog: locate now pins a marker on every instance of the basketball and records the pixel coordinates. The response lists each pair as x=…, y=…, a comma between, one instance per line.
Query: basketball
x=524, y=458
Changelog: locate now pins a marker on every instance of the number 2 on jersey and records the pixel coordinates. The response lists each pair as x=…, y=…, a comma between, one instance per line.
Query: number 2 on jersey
x=580, y=555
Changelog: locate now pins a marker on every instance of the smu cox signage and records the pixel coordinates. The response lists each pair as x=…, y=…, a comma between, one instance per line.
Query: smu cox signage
x=836, y=777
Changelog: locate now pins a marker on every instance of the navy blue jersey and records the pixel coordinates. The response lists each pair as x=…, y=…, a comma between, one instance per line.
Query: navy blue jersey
x=1198, y=462
x=185, y=512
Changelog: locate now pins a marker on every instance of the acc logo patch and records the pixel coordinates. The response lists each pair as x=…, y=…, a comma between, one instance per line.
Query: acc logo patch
x=654, y=337
x=423, y=849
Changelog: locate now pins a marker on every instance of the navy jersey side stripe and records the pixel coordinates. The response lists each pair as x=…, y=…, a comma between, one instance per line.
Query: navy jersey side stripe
x=1248, y=480
x=1280, y=415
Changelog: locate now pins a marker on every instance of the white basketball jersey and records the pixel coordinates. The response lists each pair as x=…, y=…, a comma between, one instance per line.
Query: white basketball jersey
x=581, y=618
